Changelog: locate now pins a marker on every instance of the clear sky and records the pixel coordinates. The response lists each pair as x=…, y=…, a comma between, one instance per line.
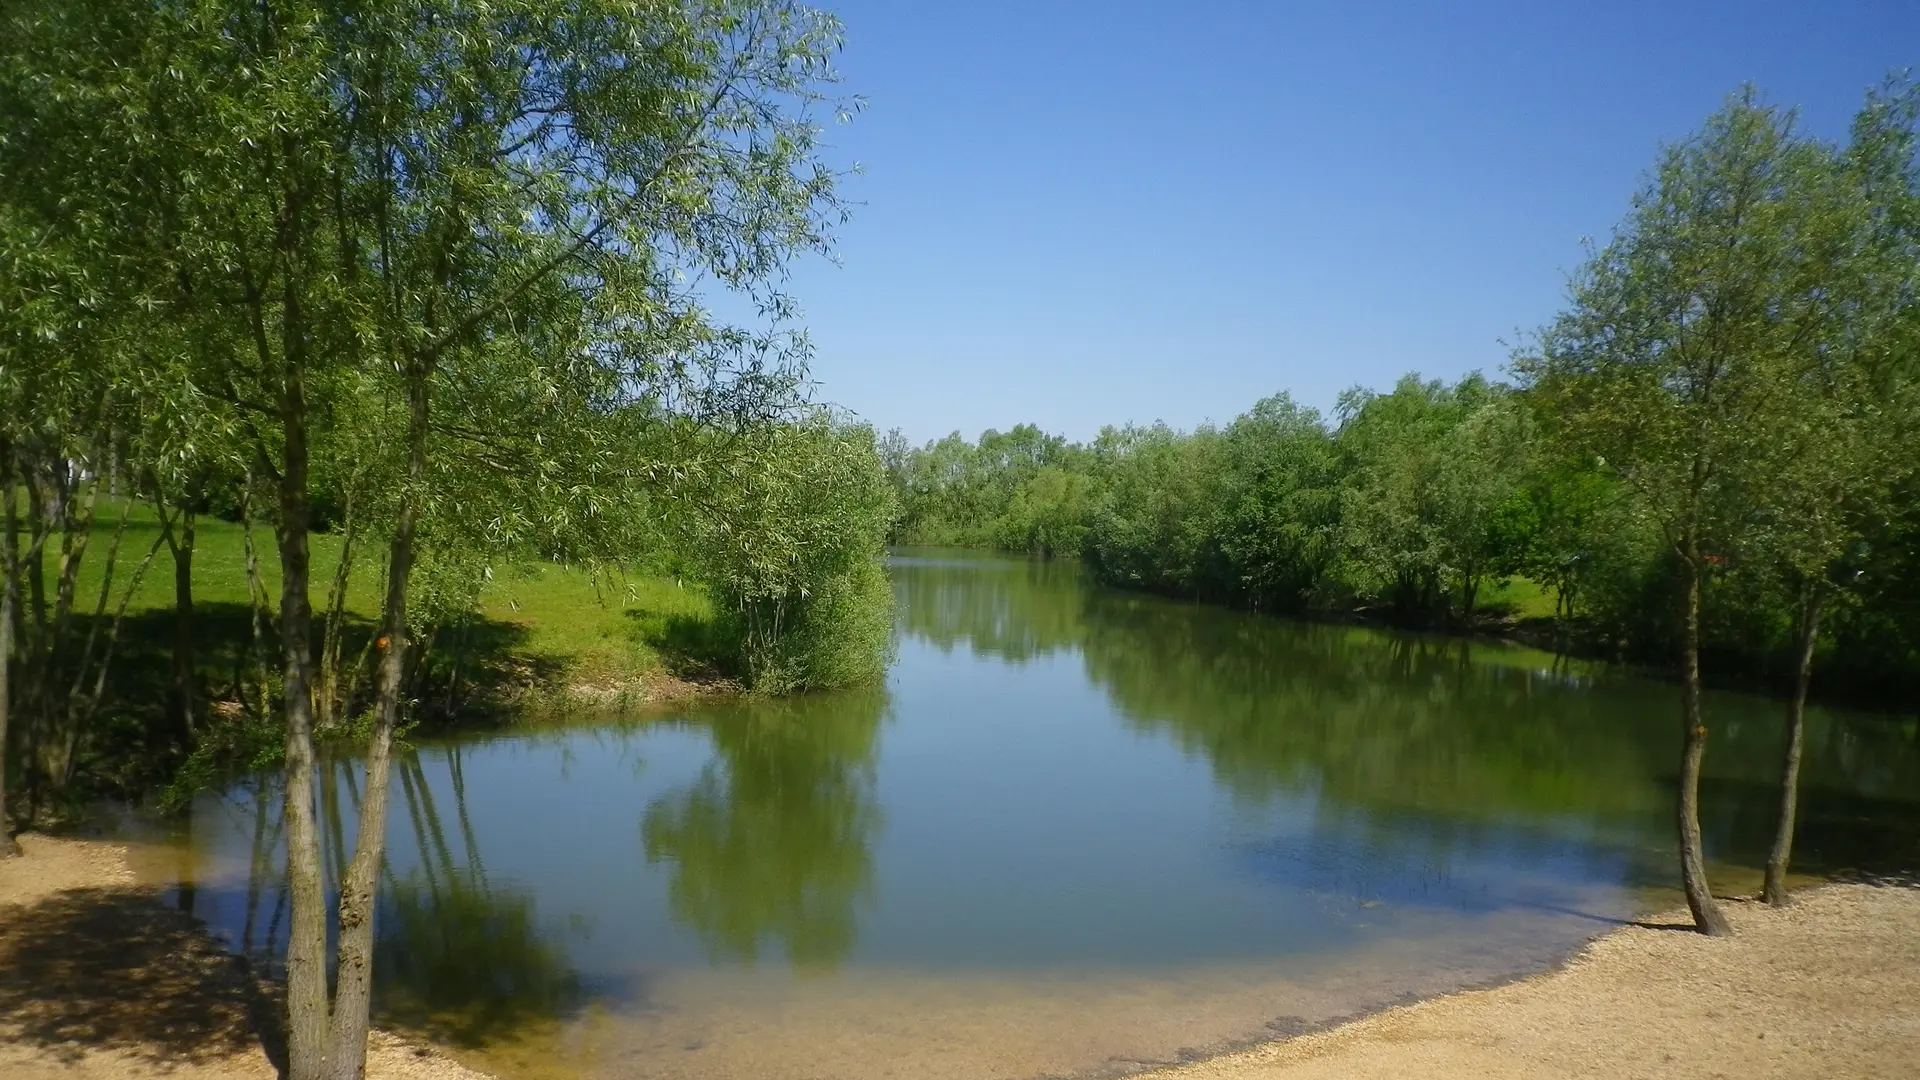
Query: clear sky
x=1076, y=213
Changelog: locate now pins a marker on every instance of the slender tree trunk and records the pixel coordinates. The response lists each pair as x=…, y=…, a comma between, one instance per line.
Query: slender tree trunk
x=37, y=530
x=1707, y=916
x=30, y=627
x=353, y=996
x=333, y=694
x=184, y=703
x=1775, y=889
x=307, y=1012
x=259, y=701
x=9, y=603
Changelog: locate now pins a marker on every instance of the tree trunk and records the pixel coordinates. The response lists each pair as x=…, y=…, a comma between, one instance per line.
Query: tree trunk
x=353, y=995
x=183, y=661
x=36, y=569
x=307, y=1013
x=9, y=602
x=1775, y=889
x=1707, y=916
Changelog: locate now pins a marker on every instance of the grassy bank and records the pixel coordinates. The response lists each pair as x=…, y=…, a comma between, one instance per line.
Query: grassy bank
x=542, y=638
x=569, y=624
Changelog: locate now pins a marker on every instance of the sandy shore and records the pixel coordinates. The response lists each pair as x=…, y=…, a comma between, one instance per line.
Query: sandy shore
x=1829, y=987
x=98, y=980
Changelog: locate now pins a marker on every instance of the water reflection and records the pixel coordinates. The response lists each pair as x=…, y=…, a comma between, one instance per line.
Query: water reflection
x=1012, y=609
x=1064, y=800
x=772, y=844
x=1417, y=747
x=1384, y=723
x=461, y=959
x=1435, y=743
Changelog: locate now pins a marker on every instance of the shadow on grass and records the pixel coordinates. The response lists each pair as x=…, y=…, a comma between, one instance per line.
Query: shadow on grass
x=112, y=969
x=477, y=675
x=468, y=672
x=696, y=649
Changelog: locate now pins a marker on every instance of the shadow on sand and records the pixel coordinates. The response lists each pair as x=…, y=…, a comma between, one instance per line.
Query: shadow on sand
x=113, y=969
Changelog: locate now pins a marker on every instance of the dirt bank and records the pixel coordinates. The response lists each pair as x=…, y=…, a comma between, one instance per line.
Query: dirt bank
x=1829, y=987
x=100, y=981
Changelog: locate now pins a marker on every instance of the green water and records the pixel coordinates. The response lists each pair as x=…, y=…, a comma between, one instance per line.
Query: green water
x=1067, y=809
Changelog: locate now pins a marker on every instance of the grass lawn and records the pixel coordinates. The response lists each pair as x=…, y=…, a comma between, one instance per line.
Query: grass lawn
x=609, y=628
x=1525, y=598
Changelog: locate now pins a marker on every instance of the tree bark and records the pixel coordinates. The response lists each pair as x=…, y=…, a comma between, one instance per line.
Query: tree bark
x=307, y=1012
x=37, y=530
x=1775, y=889
x=9, y=603
x=1707, y=916
x=184, y=703
x=353, y=994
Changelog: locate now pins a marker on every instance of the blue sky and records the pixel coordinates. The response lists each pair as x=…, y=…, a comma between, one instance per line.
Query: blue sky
x=1081, y=213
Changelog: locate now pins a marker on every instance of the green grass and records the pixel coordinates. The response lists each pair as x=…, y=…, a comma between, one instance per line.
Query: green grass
x=605, y=627
x=1525, y=598
x=564, y=622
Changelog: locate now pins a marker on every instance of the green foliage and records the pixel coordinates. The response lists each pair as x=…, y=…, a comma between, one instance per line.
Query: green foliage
x=1732, y=396
x=1431, y=469
x=1020, y=490
x=418, y=276
x=1153, y=526
x=791, y=543
x=1280, y=514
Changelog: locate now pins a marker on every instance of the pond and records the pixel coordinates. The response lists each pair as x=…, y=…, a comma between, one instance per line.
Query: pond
x=1076, y=833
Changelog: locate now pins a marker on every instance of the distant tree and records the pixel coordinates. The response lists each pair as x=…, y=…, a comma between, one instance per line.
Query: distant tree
x=1153, y=527
x=1280, y=513
x=1428, y=467
x=789, y=540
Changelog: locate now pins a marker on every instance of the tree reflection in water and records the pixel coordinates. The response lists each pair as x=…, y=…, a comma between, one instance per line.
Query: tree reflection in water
x=772, y=844
x=1420, y=750
x=459, y=958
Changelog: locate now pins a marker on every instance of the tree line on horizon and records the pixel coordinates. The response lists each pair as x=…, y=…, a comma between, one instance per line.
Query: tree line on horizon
x=1709, y=459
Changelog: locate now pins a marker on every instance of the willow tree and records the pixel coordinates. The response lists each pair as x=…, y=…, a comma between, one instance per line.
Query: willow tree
x=1672, y=367
x=366, y=208
x=789, y=537
x=86, y=368
x=532, y=184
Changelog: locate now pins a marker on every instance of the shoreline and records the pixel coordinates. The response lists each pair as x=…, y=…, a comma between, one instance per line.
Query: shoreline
x=99, y=980
x=1827, y=987
x=1538, y=633
x=1823, y=987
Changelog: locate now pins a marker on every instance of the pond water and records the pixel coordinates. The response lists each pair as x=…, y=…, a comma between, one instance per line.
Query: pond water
x=1076, y=833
